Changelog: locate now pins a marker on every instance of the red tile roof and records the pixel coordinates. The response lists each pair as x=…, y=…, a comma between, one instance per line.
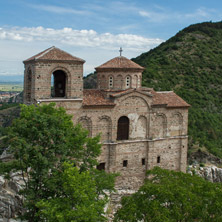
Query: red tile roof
x=54, y=54
x=95, y=97
x=120, y=62
x=169, y=98
x=122, y=92
x=145, y=91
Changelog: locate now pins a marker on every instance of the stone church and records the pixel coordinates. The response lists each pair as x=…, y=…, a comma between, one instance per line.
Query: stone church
x=140, y=127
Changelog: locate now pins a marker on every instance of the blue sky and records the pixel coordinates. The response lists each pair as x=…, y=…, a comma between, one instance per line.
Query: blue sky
x=93, y=29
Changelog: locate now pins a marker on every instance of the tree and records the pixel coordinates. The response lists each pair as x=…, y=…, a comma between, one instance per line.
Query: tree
x=41, y=140
x=173, y=196
x=78, y=200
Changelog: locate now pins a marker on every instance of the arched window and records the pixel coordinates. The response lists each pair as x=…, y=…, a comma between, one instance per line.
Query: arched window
x=128, y=82
x=119, y=82
x=123, y=128
x=58, y=84
x=110, y=82
x=105, y=128
x=29, y=85
x=176, y=124
x=103, y=82
x=136, y=81
x=139, y=82
x=86, y=123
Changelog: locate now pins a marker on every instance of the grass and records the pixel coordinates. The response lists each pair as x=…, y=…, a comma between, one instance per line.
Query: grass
x=11, y=87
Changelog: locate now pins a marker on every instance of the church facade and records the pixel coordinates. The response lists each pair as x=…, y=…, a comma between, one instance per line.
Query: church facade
x=140, y=128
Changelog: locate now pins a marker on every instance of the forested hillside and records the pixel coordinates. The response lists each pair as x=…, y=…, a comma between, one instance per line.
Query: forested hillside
x=190, y=63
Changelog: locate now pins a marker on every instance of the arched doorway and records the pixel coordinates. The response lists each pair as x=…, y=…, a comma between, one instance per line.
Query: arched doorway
x=123, y=128
x=58, y=84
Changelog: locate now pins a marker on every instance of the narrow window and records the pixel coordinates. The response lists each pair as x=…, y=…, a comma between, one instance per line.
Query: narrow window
x=110, y=82
x=101, y=166
x=29, y=85
x=143, y=161
x=103, y=82
x=128, y=82
x=125, y=163
x=158, y=159
x=123, y=128
x=138, y=82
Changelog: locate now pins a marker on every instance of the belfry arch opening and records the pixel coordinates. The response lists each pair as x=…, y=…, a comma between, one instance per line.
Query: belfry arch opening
x=58, y=83
x=29, y=85
x=123, y=128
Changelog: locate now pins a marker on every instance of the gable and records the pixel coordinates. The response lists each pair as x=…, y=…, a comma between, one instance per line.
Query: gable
x=134, y=102
x=54, y=54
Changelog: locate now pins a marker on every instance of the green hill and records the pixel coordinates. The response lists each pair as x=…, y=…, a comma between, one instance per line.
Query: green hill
x=190, y=63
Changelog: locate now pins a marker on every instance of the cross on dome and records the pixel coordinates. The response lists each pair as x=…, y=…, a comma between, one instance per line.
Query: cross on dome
x=120, y=51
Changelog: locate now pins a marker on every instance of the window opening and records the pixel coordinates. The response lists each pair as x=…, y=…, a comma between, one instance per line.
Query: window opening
x=138, y=82
x=58, y=84
x=143, y=161
x=125, y=163
x=128, y=82
x=52, y=86
x=158, y=159
x=29, y=85
x=101, y=166
x=123, y=128
x=110, y=82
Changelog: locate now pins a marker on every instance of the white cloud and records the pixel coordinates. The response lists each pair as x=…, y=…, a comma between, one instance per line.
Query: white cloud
x=154, y=16
x=166, y=15
x=58, y=9
x=20, y=43
x=145, y=14
x=199, y=13
x=83, y=38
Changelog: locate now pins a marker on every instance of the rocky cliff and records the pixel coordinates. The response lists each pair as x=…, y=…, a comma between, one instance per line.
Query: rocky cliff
x=211, y=173
x=10, y=200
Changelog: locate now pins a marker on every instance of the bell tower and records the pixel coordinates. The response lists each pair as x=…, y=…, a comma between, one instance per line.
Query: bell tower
x=53, y=74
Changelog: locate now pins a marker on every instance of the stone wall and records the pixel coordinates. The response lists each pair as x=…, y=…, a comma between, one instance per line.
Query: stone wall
x=119, y=79
x=37, y=79
x=157, y=136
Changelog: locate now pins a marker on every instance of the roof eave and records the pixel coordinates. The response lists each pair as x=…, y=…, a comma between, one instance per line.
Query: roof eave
x=98, y=106
x=53, y=60
x=182, y=106
x=119, y=69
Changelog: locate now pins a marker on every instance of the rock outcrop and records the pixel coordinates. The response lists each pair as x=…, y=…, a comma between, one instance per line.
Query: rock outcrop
x=210, y=173
x=10, y=200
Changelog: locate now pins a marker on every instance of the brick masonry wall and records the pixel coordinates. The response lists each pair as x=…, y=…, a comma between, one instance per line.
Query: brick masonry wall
x=119, y=79
x=157, y=136
x=153, y=133
x=41, y=79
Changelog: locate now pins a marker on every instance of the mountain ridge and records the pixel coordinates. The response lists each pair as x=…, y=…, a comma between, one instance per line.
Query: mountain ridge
x=189, y=63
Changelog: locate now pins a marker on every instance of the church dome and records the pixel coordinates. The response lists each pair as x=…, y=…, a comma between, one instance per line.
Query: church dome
x=120, y=62
x=119, y=73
